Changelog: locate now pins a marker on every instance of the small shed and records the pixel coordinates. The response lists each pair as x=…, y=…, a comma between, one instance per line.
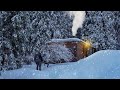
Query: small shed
x=76, y=46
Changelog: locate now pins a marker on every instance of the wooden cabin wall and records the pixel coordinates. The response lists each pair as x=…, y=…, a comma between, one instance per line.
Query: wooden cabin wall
x=77, y=48
x=73, y=47
x=80, y=53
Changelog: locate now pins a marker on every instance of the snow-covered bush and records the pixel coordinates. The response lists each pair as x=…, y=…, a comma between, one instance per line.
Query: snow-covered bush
x=19, y=62
x=28, y=59
x=11, y=62
x=56, y=53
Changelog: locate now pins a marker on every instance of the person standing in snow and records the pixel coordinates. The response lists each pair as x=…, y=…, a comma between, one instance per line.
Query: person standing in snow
x=38, y=60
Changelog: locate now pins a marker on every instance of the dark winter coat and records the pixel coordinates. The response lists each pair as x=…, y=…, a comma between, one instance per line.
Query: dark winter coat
x=38, y=58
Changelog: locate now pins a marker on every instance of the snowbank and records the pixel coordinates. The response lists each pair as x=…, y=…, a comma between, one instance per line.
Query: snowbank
x=1, y=78
x=104, y=64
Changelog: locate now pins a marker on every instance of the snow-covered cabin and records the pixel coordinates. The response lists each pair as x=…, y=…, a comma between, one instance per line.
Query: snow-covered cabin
x=75, y=45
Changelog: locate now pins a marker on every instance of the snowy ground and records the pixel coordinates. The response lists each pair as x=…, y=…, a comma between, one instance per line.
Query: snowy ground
x=101, y=65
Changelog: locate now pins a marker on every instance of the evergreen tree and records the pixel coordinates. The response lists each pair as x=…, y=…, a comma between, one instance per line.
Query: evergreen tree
x=99, y=28
x=24, y=32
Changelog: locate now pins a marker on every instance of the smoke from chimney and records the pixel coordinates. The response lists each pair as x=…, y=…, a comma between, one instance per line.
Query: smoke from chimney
x=79, y=17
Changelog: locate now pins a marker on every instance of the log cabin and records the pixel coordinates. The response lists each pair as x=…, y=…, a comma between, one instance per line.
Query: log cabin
x=78, y=47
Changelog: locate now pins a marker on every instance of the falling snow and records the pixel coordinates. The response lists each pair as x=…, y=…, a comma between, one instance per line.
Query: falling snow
x=25, y=33
x=100, y=65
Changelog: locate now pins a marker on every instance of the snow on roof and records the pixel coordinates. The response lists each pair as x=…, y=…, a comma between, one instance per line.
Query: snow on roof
x=66, y=40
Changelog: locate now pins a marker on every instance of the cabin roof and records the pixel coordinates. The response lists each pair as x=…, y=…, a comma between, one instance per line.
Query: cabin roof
x=65, y=40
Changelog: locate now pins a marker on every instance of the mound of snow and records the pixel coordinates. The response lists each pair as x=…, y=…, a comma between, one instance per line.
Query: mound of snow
x=1, y=78
x=104, y=64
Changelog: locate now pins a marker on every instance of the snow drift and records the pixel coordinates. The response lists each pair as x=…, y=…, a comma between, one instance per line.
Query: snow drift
x=104, y=64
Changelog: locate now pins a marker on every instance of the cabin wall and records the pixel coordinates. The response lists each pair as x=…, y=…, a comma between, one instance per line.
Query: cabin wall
x=79, y=52
x=73, y=48
x=77, y=48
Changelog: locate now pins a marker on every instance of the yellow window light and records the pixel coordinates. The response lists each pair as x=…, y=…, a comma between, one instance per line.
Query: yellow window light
x=87, y=44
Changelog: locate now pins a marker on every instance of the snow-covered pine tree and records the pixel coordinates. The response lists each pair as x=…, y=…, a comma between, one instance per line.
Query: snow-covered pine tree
x=26, y=31
x=6, y=37
x=117, y=28
x=99, y=28
x=53, y=24
x=34, y=28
